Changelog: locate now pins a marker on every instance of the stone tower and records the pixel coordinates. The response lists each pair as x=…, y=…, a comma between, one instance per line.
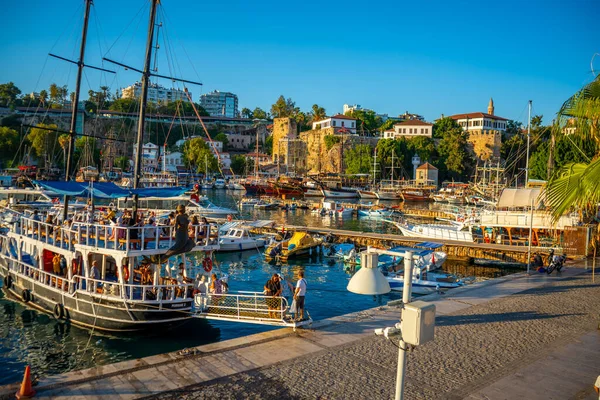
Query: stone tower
x=491, y=107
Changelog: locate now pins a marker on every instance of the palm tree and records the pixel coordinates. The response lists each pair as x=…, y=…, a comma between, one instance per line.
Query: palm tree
x=318, y=113
x=578, y=184
x=43, y=97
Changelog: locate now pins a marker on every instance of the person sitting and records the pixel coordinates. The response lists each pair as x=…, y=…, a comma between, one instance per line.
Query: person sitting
x=192, y=227
x=215, y=289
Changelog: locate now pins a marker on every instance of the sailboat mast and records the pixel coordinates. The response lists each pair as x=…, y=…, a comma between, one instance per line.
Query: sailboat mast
x=393, y=168
x=374, y=166
x=144, y=99
x=73, y=127
x=528, y=141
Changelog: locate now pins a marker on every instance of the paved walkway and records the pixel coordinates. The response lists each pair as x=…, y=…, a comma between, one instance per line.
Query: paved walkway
x=518, y=337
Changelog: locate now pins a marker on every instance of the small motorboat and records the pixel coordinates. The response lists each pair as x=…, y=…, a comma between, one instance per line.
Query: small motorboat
x=344, y=212
x=266, y=205
x=426, y=282
x=249, y=202
x=375, y=213
x=299, y=244
x=220, y=183
x=239, y=238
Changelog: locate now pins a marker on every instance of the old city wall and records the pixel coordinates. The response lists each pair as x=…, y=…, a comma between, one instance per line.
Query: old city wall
x=485, y=144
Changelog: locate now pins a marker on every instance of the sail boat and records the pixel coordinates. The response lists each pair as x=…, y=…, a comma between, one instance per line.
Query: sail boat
x=388, y=190
x=369, y=193
x=92, y=274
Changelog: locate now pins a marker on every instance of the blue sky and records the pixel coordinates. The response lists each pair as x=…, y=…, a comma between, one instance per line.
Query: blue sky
x=428, y=57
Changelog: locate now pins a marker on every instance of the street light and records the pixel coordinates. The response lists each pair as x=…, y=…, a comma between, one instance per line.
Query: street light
x=417, y=323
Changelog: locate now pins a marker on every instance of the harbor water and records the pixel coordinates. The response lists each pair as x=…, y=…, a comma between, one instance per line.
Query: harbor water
x=29, y=337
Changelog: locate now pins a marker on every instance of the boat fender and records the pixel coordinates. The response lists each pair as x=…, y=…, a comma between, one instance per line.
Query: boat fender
x=125, y=274
x=26, y=295
x=240, y=246
x=207, y=264
x=59, y=311
x=7, y=281
x=291, y=247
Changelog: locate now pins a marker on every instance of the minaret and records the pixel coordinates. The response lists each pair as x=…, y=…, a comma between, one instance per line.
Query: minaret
x=491, y=107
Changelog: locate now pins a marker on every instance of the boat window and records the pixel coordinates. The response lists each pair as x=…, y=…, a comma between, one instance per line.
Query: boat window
x=239, y=233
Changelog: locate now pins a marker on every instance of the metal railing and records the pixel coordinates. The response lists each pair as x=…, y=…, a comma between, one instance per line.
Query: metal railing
x=136, y=292
x=242, y=306
x=151, y=237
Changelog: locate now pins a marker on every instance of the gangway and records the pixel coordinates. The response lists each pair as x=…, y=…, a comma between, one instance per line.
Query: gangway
x=247, y=307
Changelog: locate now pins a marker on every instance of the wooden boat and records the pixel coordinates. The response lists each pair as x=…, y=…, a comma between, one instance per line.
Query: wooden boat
x=412, y=194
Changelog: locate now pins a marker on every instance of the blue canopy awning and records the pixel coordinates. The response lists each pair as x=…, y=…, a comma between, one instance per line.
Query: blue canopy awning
x=106, y=190
x=430, y=245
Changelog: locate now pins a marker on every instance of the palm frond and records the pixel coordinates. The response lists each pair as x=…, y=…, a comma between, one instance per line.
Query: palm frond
x=563, y=191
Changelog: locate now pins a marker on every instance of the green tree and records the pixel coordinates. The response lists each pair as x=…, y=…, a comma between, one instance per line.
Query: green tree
x=124, y=105
x=197, y=154
x=331, y=140
x=387, y=125
x=122, y=162
x=221, y=137
x=453, y=150
x=9, y=143
x=239, y=164
x=269, y=145
x=284, y=108
x=367, y=120
x=8, y=94
x=303, y=121
x=247, y=113
x=359, y=159
x=43, y=139
x=259, y=113
x=87, y=151
x=43, y=97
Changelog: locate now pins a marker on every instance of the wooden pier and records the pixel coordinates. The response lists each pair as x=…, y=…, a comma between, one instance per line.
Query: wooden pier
x=455, y=250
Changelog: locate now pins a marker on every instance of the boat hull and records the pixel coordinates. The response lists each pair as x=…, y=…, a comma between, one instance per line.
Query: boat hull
x=229, y=245
x=366, y=194
x=340, y=194
x=106, y=314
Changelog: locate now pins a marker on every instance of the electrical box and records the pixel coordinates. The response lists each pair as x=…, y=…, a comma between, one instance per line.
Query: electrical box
x=418, y=322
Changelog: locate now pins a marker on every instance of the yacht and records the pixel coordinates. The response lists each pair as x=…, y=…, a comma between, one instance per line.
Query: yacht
x=220, y=183
x=239, y=238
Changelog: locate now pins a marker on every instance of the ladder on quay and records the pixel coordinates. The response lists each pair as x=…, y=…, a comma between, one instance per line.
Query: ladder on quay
x=247, y=307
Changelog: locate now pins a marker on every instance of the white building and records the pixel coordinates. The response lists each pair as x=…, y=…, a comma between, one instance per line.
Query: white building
x=156, y=93
x=172, y=161
x=337, y=122
x=409, y=129
x=220, y=104
x=481, y=122
x=150, y=153
x=353, y=107
x=225, y=159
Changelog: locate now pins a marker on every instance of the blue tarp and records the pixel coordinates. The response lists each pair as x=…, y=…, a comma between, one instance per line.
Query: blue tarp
x=106, y=190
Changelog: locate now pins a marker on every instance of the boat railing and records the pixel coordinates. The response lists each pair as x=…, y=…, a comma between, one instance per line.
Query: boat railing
x=114, y=237
x=249, y=306
x=137, y=292
x=39, y=275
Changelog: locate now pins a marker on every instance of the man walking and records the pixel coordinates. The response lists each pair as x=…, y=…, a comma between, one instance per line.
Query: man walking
x=299, y=296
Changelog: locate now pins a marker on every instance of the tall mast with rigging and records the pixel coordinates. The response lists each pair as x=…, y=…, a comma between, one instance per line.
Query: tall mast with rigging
x=137, y=172
x=73, y=126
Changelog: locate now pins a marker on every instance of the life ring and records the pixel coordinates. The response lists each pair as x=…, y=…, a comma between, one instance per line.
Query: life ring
x=207, y=264
x=26, y=295
x=7, y=281
x=59, y=311
x=229, y=218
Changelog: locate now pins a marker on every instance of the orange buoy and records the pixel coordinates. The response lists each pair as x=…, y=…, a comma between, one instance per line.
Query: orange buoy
x=26, y=391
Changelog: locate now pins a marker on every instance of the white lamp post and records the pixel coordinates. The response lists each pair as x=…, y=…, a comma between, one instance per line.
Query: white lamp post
x=418, y=319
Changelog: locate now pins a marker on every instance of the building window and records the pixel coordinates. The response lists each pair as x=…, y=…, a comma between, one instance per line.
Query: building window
x=342, y=124
x=404, y=130
x=353, y=124
x=333, y=123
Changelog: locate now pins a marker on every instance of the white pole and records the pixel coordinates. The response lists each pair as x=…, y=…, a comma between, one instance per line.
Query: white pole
x=528, y=140
x=406, y=295
x=530, y=235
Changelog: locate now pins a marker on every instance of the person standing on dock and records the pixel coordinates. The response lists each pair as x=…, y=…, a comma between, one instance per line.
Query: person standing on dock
x=273, y=289
x=299, y=296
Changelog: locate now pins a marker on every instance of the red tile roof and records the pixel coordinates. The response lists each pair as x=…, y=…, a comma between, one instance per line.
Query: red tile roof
x=427, y=166
x=413, y=122
x=477, y=115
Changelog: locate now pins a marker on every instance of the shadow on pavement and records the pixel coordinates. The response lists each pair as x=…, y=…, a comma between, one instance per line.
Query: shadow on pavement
x=450, y=320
